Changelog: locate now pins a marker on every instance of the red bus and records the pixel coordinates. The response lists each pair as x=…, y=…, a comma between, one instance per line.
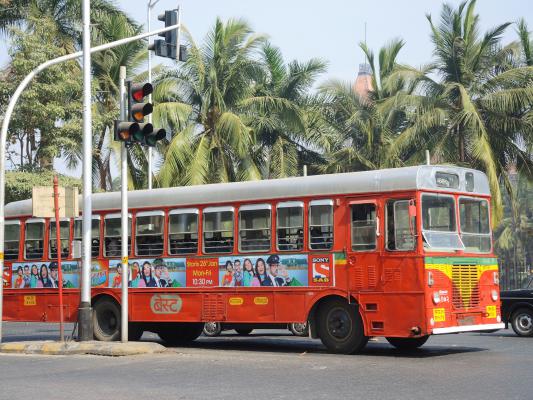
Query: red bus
x=399, y=253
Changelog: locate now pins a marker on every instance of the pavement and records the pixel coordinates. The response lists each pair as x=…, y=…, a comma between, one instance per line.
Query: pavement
x=113, y=349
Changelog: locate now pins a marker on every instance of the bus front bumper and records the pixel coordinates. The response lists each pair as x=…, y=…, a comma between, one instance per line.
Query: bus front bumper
x=468, y=328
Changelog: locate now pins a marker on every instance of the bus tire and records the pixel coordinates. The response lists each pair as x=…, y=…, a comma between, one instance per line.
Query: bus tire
x=522, y=322
x=212, y=329
x=179, y=334
x=407, y=343
x=106, y=320
x=340, y=327
x=244, y=331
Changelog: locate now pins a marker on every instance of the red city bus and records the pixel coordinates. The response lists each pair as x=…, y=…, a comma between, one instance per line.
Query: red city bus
x=400, y=253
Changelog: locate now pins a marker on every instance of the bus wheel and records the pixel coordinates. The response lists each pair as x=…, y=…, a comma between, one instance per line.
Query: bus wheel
x=176, y=334
x=407, y=343
x=212, y=329
x=244, y=331
x=106, y=320
x=522, y=322
x=340, y=327
x=299, y=328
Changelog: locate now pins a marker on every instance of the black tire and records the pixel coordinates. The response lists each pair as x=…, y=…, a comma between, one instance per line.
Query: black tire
x=106, y=320
x=522, y=322
x=299, y=329
x=340, y=327
x=244, y=331
x=179, y=334
x=407, y=343
x=212, y=329
x=135, y=331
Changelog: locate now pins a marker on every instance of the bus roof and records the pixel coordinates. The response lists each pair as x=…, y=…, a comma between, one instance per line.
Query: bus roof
x=376, y=181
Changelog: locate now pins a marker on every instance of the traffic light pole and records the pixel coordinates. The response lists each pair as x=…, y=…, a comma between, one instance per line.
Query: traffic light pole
x=3, y=142
x=124, y=217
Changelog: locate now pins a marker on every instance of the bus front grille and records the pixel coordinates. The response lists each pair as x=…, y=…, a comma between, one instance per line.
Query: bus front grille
x=465, y=293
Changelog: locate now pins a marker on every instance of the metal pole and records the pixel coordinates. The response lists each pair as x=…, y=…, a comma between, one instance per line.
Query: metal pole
x=5, y=126
x=124, y=216
x=58, y=247
x=85, y=329
x=428, y=158
x=178, y=29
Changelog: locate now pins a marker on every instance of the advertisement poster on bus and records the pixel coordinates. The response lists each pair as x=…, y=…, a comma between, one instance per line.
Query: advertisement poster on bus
x=44, y=275
x=159, y=272
x=320, y=270
x=264, y=270
x=202, y=272
x=99, y=273
x=6, y=278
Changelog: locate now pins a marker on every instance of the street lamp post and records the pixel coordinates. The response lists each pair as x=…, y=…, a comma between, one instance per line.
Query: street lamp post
x=150, y=5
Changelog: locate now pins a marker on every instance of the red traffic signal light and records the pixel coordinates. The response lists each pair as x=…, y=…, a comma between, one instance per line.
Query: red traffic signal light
x=137, y=110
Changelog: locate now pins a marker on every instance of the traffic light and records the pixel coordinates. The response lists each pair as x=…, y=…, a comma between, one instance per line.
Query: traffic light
x=145, y=134
x=169, y=46
x=125, y=131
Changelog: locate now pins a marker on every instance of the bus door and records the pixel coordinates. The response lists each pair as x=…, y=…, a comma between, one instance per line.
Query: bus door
x=363, y=249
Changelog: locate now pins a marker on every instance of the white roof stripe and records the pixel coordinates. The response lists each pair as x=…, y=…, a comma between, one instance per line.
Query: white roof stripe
x=385, y=180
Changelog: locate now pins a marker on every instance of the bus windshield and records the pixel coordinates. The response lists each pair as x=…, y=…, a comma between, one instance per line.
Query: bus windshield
x=439, y=227
x=475, y=224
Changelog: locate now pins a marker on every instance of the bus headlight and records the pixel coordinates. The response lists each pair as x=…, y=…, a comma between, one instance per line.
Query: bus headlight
x=494, y=295
x=436, y=297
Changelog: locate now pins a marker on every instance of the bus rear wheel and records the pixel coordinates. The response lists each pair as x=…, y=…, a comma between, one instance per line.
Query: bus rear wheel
x=407, y=343
x=340, y=327
x=177, y=334
x=106, y=320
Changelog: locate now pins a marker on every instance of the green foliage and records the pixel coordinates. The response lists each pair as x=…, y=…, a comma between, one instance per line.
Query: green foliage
x=19, y=185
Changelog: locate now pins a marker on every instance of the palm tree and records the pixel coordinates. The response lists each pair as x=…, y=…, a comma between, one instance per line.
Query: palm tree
x=216, y=145
x=284, y=115
x=366, y=125
x=478, y=112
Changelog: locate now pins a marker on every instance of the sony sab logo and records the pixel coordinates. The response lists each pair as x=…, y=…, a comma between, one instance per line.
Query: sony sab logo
x=165, y=303
x=321, y=269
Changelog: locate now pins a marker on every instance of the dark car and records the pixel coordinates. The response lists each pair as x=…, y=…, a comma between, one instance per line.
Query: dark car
x=517, y=308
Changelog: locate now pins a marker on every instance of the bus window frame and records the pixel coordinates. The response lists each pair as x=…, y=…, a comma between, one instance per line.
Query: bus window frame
x=457, y=231
x=130, y=228
x=44, y=239
x=321, y=202
x=52, y=224
x=378, y=233
x=19, y=241
x=255, y=207
x=490, y=234
x=417, y=225
x=234, y=230
x=181, y=211
x=154, y=213
x=100, y=234
x=289, y=204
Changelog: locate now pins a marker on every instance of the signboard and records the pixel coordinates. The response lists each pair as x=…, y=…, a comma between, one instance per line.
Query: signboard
x=43, y=202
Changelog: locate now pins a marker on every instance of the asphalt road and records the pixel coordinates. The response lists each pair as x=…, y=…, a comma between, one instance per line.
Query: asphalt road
x=275, y=365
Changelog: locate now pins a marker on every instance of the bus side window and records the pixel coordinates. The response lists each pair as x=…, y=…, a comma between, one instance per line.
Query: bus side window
x=290, y=226
x=12, y=240
x=218, y=230
x=149, y=233
x=64, y=234
x=254, y=227
x=34, y=242
x=183, y=231
x=95, y=233
x=113, y=235
x=400, y=226
x=364, y=227
x=321, y=224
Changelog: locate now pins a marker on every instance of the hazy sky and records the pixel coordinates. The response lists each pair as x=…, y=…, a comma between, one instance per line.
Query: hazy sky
x=331, y=29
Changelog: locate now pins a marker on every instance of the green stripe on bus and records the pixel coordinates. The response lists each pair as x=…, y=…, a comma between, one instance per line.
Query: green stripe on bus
x=469, y=260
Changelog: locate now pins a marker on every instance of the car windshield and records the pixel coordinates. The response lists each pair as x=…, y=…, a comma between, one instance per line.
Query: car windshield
x=439, y=226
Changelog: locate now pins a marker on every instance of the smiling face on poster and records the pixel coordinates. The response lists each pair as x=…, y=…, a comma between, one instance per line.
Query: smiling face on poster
x=158, y=272
x=263, y=270
x=44, y=275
